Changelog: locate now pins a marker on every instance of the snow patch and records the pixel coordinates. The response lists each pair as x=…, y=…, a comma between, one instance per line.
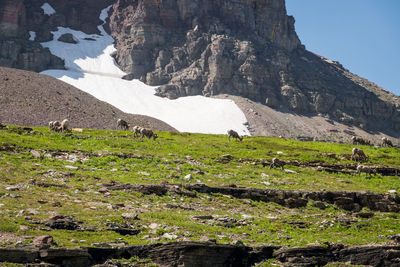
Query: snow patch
x=92, y=69
x=48, y=9
x=32, y=36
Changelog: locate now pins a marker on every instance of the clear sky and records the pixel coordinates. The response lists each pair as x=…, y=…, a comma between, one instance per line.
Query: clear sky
x=363, y=35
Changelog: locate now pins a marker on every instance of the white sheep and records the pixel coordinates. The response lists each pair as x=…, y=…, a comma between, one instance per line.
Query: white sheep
x=54, y=125
x=136, y=131
x=65, y=125
x=148, y=133
x=234, y=135
x=358, y=154
x=386, y=142
x=122, y=124
x=277, y=163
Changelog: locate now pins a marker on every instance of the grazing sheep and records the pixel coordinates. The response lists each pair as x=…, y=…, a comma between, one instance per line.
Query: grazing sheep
x=234, y=135
x=277, y=162
x=122, y=124
x=65, y=125
x=53, y=125
x=360, y=141
x=366, y=169
x=148, y=133
x=358, y=154
x=386, y=142
x=136, y=131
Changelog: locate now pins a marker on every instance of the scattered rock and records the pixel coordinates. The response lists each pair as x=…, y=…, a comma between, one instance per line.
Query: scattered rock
x=62, y=222
x=319, y=204
x=123, y=229
x=130, y=216
x=103, y=190
x=35, y=154
x=154, y=226
x=202, y=217
x=188, y=177
x=23, y=227
x=12, y=188
x=169, y=236
x=68, y=38
x=225, y=158
x=71, y=167
x=43, y=240
x=366, y=215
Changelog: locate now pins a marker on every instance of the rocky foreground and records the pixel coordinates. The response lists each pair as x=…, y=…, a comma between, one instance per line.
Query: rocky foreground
x=205, y=254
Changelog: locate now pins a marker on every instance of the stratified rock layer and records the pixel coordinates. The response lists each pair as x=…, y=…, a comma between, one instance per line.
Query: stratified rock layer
x=206, y=254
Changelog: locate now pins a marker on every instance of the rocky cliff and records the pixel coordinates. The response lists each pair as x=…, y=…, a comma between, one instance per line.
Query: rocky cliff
x=246, y=48
x=18, y=49
x=207, y=47
x=15, y=48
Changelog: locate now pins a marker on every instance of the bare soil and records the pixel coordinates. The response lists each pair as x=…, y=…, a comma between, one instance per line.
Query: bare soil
x=32, y=99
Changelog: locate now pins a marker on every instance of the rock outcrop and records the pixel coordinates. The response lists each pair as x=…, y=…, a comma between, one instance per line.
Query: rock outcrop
x=245, y=48
x=19, y=19
x=16, y=50
x=205, y=254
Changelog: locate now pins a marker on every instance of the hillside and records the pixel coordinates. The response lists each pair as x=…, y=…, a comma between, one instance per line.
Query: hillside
x=31, y=99
x=172, y=200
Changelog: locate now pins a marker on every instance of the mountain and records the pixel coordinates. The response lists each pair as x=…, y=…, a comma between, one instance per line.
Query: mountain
x=246, y=49
x=31, y=99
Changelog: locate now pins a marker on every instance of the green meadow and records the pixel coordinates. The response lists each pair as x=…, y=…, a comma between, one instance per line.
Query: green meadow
x=45, y=174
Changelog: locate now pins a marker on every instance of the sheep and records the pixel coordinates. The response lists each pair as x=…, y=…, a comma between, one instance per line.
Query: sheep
x=366, y=169
x=136, y=130
x=361, y=141
x=148, y=133
x=234, y=135
x=386, y=142
x=277, y=162
x=358, y=154
x=65, y=125
x=122, y=124
x=53, y=125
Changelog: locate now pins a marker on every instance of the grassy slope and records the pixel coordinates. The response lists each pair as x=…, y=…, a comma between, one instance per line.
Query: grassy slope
x=254, y=223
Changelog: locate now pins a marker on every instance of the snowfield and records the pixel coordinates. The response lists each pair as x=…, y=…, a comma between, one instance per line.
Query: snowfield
x=92, y=69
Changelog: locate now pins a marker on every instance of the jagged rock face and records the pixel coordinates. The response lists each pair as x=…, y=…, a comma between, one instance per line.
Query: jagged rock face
x=246, y=48
x=15, y=49
x=18, y=17
x=12, y=18
x=202, y=47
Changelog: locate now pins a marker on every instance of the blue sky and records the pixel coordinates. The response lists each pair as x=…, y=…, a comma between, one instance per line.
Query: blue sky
x=363, y=35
